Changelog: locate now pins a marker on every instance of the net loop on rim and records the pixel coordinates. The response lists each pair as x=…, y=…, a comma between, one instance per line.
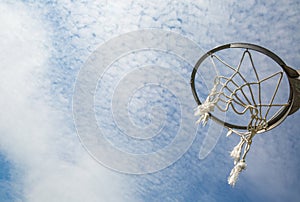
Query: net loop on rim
x=227, y=93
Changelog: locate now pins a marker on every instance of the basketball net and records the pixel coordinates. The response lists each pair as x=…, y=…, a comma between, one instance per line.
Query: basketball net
x=224, y=96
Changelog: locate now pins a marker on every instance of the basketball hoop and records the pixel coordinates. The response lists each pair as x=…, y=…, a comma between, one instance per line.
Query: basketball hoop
x=239, y=90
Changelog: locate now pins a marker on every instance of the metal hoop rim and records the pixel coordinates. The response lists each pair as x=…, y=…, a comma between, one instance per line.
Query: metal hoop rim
x=291, y=73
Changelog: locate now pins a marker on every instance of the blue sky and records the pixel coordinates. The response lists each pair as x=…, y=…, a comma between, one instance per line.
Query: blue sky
x=140, y=94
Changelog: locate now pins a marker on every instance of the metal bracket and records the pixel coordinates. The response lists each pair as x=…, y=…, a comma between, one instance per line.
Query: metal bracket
x=295, y=85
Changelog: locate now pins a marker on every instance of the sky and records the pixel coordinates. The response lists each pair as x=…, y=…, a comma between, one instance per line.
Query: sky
x=96, y=103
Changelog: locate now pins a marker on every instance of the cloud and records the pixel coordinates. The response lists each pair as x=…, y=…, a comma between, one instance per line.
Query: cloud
x=43, y=48
x=49, y=164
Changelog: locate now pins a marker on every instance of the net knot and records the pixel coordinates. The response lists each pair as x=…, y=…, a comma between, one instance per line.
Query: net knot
x=203, y=111
x=237, y=150
x=237, y=169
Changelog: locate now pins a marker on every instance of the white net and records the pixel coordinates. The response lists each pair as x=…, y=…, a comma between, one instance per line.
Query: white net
x=235, y=92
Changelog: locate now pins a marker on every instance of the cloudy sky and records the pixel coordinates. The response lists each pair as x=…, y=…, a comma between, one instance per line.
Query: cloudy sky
x=96, y=103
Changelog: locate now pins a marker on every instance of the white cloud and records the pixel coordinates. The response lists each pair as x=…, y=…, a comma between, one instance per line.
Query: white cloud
x=49, y=164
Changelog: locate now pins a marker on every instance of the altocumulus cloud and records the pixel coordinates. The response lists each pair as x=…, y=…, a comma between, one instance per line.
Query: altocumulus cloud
x=49, y=164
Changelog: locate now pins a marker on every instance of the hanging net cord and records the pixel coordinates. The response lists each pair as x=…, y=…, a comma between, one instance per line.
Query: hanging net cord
x=227, y=93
